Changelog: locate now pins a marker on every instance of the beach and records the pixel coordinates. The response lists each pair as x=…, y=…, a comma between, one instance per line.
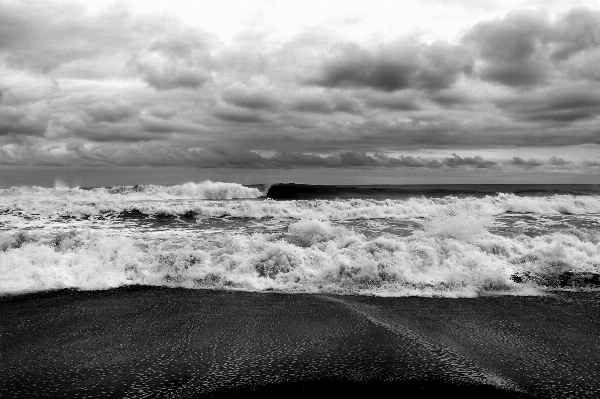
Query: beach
x=174, y=342
x=322, y=199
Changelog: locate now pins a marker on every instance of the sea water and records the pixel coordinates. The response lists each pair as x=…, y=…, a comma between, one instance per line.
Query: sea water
x=426, y=240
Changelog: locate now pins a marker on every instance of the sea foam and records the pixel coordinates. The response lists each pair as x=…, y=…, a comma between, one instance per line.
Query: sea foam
x=204, y=190
x=109, y=237
x=311, y=256
x=187, y=200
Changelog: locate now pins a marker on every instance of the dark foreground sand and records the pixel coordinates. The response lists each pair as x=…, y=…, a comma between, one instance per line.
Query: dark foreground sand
x=159, y=342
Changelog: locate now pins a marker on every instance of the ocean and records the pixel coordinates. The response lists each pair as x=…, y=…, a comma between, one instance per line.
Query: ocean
x=380, y=240
x=218, y=290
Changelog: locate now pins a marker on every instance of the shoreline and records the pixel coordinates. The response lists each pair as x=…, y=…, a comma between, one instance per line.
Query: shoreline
x=528, y=291
x=136, y=341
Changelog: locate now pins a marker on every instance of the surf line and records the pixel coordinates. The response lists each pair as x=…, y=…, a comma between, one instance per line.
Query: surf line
x=467, y=368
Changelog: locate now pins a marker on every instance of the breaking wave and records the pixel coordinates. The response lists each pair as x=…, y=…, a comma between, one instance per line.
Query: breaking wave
x=204, y=190
x=182, y=200
x=102, y=204
x=310, y=256
x=453, y=246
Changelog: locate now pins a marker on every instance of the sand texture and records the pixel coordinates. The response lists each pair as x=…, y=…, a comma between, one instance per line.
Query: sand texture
x=159, y=342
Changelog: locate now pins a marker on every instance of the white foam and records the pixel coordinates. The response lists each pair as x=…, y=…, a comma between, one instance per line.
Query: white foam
x=183, y=200
x=312, y=256
x=454, y=254
x=204, y=190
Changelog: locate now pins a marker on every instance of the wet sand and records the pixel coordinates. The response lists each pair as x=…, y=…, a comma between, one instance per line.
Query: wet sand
x=158, y=342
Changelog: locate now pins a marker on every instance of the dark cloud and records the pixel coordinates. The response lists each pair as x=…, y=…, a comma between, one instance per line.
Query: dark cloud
x=394, y=101
x=115, y=132
x=169, y=74
x=30, y=120
x=578, y=31
x=528, y=163
x=219, y=156
x=123, y=130
x=316, y=104
x=560, y=104
x=321, y=103
x=477, y=162
x=163, y=112
x=394, y=67
x=104, y=111
x=153, y=124
x=525, y=48
x=253, y=98
x=239, y=115
x=451, y=98
x=508, y=48
x=154, y=153
x=181, y=60
x=184, y=44
x=556, y=161
x=112, y=86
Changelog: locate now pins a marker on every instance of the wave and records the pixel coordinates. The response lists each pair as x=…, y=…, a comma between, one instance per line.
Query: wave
x=204, y=190
x=77, y=203
x=311, y=256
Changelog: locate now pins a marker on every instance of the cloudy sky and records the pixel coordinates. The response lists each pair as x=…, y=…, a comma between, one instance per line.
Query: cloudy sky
x=126, y=92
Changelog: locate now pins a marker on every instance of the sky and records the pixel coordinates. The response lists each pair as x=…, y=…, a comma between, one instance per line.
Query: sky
x=331, y=92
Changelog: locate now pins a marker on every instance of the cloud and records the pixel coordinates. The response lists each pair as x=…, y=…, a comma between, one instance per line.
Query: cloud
x=558, y=104
x=237, y=114
x=393, y=67
x=27, y=120
x=151, y=124
x=509, y=48
x=477, y=162
x=163, y=112
x=103, y=111
x=556, y=161
x=251, y=97
x=528, y=163
x=452, y=98
x=584, y=65
x=159, y=154
x=525, y=48
x=42, y=37
x=323, y=103
x=166, y=74
x=401, y=101
x=180, y=59
x=578, y=31
x=107, y=84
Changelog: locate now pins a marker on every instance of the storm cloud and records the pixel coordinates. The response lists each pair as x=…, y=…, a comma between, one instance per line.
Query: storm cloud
x=114, y=84
x=156, y=154
x=393, y=67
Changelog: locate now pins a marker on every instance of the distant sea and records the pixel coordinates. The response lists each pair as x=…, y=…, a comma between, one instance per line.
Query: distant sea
x=382, y=240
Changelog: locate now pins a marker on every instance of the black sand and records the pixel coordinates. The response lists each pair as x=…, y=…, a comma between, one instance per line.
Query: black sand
x=160, y=342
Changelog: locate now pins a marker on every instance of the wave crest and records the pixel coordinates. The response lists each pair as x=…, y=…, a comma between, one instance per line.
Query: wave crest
x=204, y=190
x=180, y=200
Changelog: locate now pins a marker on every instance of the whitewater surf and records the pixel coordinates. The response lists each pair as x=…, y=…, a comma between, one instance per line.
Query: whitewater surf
x=449, y=241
